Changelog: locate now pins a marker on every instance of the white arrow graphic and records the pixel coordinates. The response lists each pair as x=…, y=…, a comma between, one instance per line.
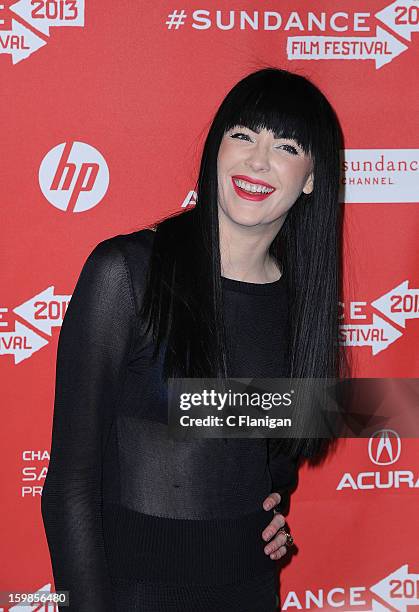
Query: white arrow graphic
x=45, y=310
x=382, y=48
x=22, y=342
x=384, y=587
x=402, y=17
x=377, y=606
x=379, y=335
x=399, y=304
x=19, y=42
x=64, y=14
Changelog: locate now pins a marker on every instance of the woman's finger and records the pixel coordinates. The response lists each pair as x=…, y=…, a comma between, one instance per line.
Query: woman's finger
x=276, y=544
x=276, y=523
x=272, y=500
x=279, y=553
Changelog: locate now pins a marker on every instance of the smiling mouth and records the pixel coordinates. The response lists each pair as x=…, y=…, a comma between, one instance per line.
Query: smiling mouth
x=249, y=190
x=251, y=187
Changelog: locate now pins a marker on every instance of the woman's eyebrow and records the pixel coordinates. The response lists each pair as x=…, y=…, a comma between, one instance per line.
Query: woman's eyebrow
x=291, y=139
x=258, y=131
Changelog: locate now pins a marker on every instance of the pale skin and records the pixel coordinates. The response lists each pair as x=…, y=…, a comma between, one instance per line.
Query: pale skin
x=247, y=229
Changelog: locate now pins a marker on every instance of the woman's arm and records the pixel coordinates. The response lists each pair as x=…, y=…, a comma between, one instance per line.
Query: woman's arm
x=93, y=348
x=284, y=473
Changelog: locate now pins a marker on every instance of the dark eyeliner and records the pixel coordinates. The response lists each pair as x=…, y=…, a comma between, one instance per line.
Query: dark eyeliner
x=295, y=151
x=239, y=134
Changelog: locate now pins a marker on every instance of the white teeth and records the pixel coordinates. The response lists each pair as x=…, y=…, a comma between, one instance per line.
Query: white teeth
x=251, y=187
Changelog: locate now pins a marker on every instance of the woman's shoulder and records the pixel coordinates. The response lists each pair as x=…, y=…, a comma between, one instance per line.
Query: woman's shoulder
x=139, y=240
x=134, y=247
x=132, y=251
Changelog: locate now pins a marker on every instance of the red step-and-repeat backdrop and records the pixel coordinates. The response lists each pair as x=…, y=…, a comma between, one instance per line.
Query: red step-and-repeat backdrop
x=104, y=108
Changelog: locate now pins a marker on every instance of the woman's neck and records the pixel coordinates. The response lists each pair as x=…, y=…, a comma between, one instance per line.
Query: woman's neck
x=249, y=259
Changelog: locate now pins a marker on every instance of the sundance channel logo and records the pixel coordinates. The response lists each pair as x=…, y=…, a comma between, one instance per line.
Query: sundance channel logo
x=379, y=175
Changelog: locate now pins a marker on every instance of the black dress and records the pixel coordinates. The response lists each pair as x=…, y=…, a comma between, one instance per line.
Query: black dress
x=134, y=519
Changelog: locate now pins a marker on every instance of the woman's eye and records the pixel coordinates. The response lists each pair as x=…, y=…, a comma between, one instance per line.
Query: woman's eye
x=290, y=148
x=239, y=134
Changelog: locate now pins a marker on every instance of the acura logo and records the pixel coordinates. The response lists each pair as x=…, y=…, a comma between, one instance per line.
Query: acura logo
x=384, y=447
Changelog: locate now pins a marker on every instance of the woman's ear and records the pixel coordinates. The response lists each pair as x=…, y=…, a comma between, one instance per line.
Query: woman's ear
x=309, y=184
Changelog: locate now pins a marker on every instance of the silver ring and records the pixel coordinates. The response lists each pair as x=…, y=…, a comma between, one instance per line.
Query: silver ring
x=290, y=540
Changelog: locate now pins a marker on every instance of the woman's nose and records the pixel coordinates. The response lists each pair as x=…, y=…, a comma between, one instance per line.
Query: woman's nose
x=259, y=158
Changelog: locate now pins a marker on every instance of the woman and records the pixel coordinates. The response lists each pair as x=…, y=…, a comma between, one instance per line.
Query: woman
x=134, y=519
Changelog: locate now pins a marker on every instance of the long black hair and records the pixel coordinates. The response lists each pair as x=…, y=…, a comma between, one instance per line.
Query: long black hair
x=182, y=303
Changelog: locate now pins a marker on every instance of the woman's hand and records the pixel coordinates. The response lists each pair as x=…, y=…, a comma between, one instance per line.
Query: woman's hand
x=276, y=547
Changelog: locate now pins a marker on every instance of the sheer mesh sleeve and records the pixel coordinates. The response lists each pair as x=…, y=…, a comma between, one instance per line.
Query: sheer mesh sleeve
x=284, y=473
x=93, y=347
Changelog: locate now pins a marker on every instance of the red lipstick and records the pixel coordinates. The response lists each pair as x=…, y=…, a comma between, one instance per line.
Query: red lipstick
x=251, y=196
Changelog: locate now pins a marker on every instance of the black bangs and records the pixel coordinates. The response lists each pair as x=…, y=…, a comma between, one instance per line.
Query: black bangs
x=285, y=108
x=279, y=119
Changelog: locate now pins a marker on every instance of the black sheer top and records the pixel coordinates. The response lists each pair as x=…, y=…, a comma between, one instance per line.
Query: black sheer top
x=123, y=501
